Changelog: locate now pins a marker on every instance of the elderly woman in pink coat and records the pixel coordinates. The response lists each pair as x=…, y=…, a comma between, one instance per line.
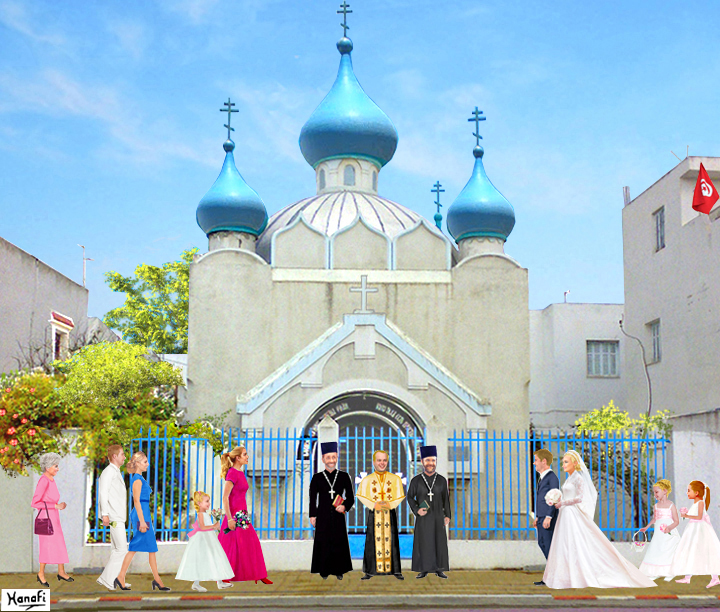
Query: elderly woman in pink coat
x=47, y=501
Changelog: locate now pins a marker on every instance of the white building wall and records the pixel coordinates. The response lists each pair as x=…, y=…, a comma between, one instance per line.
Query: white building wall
x=560, y=388
x=679, y=285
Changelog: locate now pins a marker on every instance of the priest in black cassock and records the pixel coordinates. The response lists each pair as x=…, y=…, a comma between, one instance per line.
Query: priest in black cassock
x=331, y=496
x=429, y=499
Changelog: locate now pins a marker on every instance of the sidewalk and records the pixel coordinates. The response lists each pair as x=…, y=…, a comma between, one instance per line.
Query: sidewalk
x=500, y=588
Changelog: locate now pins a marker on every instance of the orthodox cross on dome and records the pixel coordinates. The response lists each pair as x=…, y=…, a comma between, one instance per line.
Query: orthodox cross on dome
x=363, y=290
x=437, y=191
x=477, y=118
x=229, y=110
x=344, y=10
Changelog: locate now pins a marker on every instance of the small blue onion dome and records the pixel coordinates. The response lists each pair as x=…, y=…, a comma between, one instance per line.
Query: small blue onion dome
x=231, y=204
x=347, y=123
x=480, y=209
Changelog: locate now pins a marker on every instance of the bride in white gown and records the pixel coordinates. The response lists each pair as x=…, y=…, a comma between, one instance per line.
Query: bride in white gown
x=580, y=554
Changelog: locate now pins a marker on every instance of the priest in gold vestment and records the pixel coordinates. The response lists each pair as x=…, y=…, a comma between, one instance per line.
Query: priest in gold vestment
x=381, y=492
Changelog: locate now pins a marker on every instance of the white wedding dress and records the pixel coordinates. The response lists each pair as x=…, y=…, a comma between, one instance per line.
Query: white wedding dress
x=580, y=554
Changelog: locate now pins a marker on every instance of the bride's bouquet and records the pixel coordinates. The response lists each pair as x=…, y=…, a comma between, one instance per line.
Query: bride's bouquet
x=553, y=496
x=242, y=520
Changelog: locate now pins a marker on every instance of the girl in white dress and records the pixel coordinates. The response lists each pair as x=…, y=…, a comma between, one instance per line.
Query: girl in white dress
x=580, y=554
x=699, y=548
x=659, y=553
x=204, y=557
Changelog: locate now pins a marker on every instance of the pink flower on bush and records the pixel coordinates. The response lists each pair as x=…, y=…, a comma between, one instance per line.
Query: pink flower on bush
x=32, y=389
x=2, y=451
x=24, y=421
x=11, y=431
x=2, y=412
x=16, y=461
x=7, y=390
x=16, y=415
x=13, y=442
x=31, y=432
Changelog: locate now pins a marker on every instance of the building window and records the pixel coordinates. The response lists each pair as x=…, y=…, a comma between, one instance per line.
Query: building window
x=602, y=358
x=322, y=179
x=659, y=217
x=349, y=175
x=374, y=180
x=655, y=335
x=60, y=326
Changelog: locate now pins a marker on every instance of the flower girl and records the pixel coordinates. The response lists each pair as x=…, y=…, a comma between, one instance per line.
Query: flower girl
x=660, y=551
x=204, y=558
x=699, y=548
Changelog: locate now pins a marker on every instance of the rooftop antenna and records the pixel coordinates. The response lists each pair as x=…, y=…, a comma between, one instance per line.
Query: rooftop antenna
x=626, y=195
x=687, y=151
x=673, y=152
x=85, y=260
x=565, y=296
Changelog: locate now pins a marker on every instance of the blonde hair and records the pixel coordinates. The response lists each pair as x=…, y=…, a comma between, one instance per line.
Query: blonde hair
x=702, y=490
x=197, y=497
x=575, y=456
x=383, y=452
x=543, y=453
x=228, y=459
x=131, y=466
x=113, y=449
x=664, y=484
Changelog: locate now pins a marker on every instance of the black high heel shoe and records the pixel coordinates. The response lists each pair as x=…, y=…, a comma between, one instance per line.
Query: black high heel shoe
x=45, y=584
x=155, y=585
x=120, y=586
x=68, y=579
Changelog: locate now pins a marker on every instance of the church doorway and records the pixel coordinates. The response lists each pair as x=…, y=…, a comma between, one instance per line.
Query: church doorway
x=370, y=421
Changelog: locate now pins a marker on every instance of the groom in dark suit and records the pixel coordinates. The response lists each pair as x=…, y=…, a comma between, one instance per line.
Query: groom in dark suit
x=545, y=516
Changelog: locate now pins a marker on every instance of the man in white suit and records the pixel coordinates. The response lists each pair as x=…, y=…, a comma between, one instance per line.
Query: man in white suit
x=113, y=509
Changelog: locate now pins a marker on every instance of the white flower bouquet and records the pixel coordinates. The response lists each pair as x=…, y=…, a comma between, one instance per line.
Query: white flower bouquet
x=553, y=496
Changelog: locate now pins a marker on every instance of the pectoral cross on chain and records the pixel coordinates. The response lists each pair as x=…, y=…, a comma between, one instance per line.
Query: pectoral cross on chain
x=332, y=494
x=430, y=495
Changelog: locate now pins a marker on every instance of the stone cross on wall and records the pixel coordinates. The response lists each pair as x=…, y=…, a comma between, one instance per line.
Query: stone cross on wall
x=363, y=290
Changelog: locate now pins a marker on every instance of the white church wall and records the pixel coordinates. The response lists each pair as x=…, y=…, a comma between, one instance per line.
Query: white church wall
x=299, y=245
x=420, y=248
x=678, y=286
x=360, y=246
x=561, y=390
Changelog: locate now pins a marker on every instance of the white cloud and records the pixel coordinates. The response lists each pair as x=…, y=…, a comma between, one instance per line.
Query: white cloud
x=14, y=15
x=132, y=36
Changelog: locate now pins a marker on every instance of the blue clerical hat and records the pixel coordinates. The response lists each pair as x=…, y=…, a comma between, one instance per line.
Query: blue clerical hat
x=328, y=447
x=428, y=451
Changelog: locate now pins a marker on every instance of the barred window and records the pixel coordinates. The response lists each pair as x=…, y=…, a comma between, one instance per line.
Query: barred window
x=659, y=218
x=602, y=358
x=655, y=333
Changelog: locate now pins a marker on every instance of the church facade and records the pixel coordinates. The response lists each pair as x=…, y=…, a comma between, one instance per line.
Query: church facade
x=349, y=305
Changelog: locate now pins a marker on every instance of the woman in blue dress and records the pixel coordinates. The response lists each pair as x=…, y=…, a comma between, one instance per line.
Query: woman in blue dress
x=143, y=539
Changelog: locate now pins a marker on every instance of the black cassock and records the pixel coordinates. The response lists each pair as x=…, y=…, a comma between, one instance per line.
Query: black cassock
x=430, y=548
x=331, y=549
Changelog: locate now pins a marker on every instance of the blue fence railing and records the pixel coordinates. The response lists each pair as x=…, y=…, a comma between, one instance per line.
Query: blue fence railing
x=492, y=480
x=490, y=475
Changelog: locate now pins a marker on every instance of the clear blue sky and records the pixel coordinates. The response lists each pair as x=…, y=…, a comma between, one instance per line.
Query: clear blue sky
x=110, y=132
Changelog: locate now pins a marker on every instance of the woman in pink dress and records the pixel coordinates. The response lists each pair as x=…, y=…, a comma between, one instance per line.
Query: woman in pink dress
x=47, y=501
x=241, y=546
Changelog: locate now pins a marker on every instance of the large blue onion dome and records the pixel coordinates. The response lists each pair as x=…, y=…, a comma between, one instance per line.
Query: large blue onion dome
x=480, y=209
x=231, y=205
x=347, y=123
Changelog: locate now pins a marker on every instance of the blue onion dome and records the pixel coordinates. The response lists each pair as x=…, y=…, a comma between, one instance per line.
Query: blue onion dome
x=480, y=209
x=231, y=205
x=347, y=123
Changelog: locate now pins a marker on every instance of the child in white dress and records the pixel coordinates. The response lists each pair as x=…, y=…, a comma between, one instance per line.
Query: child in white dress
x=204, y=557
x=661, y=550
x=699, y=548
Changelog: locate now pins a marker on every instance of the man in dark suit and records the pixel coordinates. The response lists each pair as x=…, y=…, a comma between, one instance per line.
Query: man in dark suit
x=545, y=515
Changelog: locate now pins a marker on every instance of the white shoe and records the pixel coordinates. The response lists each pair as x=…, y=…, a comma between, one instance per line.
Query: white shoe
x=199, y=588
x=223, y=585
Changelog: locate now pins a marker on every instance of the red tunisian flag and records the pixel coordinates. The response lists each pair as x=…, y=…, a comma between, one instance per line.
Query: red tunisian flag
x=705, y=194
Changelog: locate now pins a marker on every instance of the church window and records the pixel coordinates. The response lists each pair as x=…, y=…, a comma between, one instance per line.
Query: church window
x=602, y=358
x=659, y=218
x=349, y=175
x=321, y=180
x=374, y=180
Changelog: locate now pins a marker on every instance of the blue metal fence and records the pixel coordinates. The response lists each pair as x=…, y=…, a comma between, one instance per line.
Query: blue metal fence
x=490, y=475
x=492, y=480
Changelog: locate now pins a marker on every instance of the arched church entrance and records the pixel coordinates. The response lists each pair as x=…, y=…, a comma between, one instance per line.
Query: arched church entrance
x=369, y=421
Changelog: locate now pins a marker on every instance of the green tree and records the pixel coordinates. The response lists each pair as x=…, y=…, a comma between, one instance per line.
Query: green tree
x=110, y=375
x=155, y=313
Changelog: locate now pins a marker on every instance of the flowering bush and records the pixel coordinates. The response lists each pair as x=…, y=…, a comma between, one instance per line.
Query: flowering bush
x=31, y=415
